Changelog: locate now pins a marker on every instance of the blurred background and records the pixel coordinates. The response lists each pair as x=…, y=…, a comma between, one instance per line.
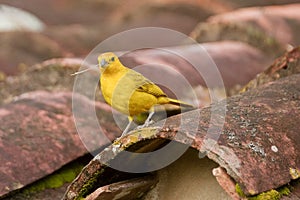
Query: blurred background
x=34, y=31
x=43, y=42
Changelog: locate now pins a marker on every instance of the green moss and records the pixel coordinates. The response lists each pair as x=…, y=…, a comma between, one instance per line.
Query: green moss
x=284, y=190
x=87, y=188
x=269, y=195
x=70, y=173
x=57, y=179
x=239, y=190
x=54, y=181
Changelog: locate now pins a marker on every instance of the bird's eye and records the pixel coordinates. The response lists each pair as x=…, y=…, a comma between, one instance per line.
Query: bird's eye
x=112, y=59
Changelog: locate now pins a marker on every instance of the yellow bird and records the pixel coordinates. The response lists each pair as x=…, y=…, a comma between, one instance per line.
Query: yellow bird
x=128, y=91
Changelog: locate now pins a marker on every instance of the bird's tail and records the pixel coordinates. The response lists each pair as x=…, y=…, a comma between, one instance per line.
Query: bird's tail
x=165, y=108
x=180, y=103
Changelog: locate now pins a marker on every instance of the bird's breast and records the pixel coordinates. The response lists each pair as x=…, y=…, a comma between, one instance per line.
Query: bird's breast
x=116, y=90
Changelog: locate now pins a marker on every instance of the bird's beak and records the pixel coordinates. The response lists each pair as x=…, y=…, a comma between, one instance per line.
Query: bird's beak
x=103, y=63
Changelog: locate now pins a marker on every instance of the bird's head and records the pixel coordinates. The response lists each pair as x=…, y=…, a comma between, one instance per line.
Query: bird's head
x=107, y=59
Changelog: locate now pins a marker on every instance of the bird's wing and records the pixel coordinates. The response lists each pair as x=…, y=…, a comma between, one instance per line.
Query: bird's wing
x=151, y=88
x=145, y=85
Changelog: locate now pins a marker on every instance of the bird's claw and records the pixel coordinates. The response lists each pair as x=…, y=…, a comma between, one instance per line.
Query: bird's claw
x=146, y=124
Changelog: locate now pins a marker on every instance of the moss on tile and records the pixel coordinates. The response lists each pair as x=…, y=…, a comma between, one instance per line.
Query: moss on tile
x=64, y=175
x=239, y=190
x=87, y=188
x=274, y=194
x=269, y=195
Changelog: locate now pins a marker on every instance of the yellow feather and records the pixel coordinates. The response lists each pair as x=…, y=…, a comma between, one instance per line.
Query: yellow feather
x=128, y=91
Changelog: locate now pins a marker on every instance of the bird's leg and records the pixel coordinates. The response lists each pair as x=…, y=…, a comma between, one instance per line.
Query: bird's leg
x=148, y=120
x=147, y=123
x=130, y=119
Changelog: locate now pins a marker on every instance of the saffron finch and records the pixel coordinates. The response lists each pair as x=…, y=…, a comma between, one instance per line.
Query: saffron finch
x=128, y=91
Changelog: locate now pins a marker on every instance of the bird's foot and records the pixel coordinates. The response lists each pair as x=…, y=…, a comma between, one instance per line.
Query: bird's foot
x=148, y=121
x=146, y=124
